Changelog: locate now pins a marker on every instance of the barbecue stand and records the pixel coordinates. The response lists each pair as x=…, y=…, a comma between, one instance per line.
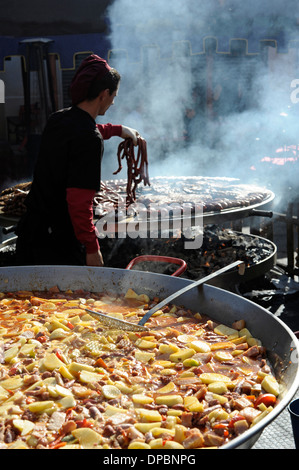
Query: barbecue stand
x=114, y=237
x=114, y=225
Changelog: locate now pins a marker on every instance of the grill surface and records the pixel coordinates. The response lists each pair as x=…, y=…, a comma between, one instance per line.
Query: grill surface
x=222, y=199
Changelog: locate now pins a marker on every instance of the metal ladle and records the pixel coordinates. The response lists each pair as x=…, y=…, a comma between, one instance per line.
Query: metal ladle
x=128, y=326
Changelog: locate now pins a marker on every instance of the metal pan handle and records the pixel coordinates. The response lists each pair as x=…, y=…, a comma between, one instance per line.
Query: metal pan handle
x=260, y=213
x=163, y=259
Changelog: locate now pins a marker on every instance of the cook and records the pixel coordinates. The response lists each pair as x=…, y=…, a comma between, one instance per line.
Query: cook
x=58, y=225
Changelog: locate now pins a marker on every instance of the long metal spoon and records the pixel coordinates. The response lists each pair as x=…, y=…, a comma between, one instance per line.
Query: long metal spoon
x=125, y=325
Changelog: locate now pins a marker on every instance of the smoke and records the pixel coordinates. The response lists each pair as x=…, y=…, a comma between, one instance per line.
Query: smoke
x=202, y=110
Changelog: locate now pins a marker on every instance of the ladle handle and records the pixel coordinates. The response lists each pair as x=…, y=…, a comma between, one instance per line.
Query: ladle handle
x=185, y=289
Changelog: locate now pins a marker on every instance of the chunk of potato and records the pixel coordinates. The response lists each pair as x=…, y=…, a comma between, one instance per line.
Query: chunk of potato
x=223, y=345
x=223, y=356
x=117, y=315
x=65, y=373
x=123, y=387
x=149, y=415
x=4, y=409
x=237, y=352
x=188, y=373
x=3, y=394
x=181, y=355
x=144, y=344
x=160, y=443
x=170, y=387
x=142, y=399
x=240, y=340
x=12, y=383
x=51, y=362
x=190, y=362
x=162, y=363
x=130, y=294
x=62, y=391
x=169, y=400
x=157, y=443
x=253, y=341
x=72, y=446
x=200, y=346
x=146, y=427
x=88, y=438
x=23, y=425
x=41, y=406
x=220, y=398
x=86, y=376
x=261, y=416
x=143, y=298
x=209, y=377
x=180, y=433
x=11, y=353
x=48, y=306
x=76, y=319
x=270, y=385
x=111, y=391
x=218, y=415
x=67, y=402
x=28, y=350
x=245, y=332
x=186, y=338
x=172, y=445
x=156, y=432
x=225, y=330
x=57, y=324
x=175, y=413
x=192, y=404
x=58, y=333
x=217, y=387
x=18, y=444
x=144, y=356
x=138, y=445
x=170, y=422
x=168, y=372
x=112, y=410
x=149, y=337
x=75, y=368
x=168, y=348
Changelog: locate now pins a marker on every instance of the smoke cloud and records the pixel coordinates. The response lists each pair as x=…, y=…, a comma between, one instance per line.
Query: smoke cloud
x=205, y=89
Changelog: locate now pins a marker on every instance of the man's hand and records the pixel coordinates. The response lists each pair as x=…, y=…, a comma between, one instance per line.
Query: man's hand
x=94, y=259
x=129, y=133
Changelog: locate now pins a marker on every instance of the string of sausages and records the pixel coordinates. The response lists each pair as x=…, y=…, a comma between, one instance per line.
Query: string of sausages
x=137, y=165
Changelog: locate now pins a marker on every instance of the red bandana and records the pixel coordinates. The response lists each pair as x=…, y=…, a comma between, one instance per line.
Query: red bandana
x=92, y=67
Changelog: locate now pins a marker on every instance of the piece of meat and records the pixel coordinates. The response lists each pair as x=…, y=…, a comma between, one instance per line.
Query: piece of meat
x=250, y=413
x=194, y=439
x=240, y=403
x=213, y=439
x=56, y=420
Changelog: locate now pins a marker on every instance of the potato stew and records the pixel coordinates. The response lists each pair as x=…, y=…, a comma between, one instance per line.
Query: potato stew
x=67, y=381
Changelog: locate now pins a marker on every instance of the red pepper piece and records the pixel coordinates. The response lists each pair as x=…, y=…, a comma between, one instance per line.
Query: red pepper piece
x=84, y=423
x=268, y=399
x=234, y=420
x=42, y=339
